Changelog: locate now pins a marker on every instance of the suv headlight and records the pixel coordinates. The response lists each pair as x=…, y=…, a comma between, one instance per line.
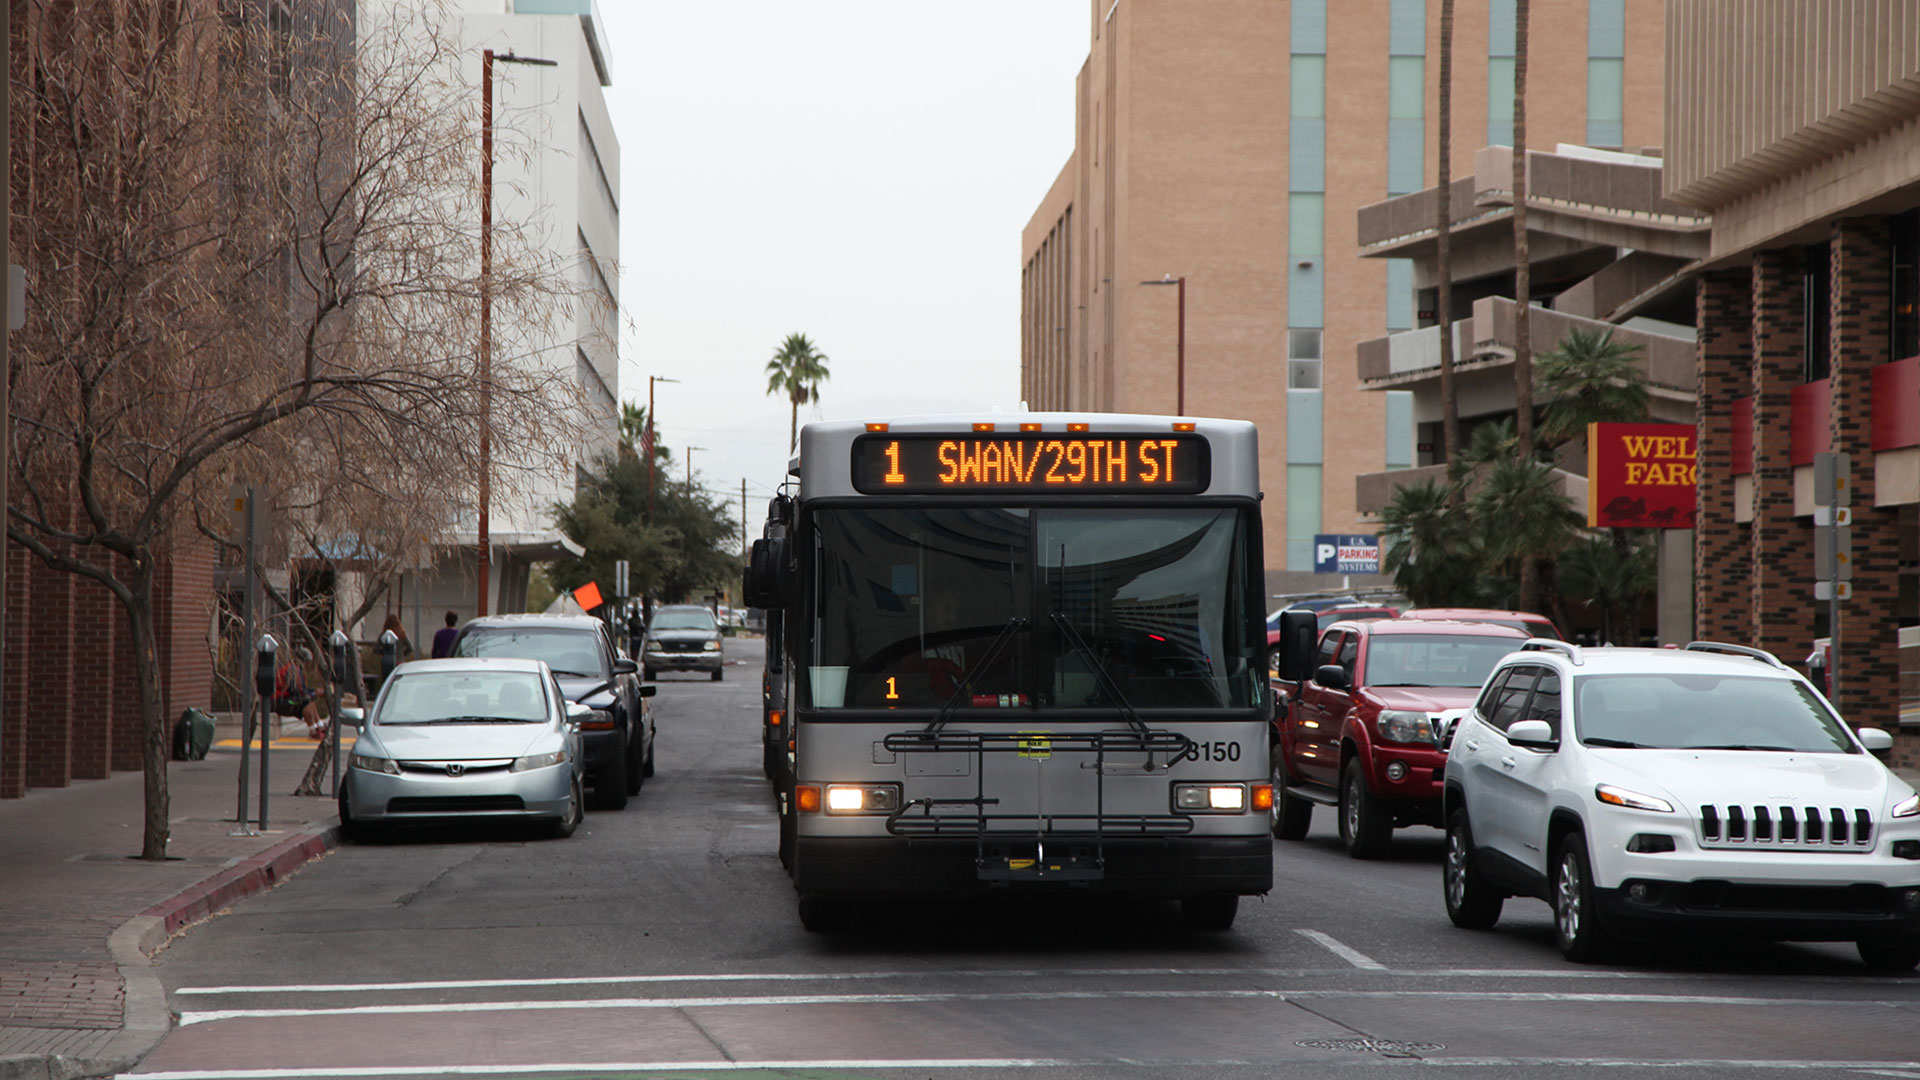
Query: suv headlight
x=538, y=761
x=1910, y=808
x=374, y=764
x=710, y=646
x=1633, y=800
x=863, y=798
x=1402, y=726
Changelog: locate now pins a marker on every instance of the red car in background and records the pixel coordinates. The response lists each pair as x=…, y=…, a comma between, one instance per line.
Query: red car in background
x=1367, y=709
x=1327, y=617
x=1534, y=625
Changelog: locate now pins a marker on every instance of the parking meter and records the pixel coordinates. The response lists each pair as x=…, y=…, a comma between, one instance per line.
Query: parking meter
x=337, y=646
x=263, y=683
x=389, y=654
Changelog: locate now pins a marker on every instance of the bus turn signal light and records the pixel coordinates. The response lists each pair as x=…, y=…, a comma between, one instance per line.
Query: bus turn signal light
x=1263, y=796
x=774, y=717
x=806, y=798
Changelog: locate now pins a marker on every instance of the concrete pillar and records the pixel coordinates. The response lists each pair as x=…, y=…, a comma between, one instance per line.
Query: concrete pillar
x=1782, y=560
x=1722, y=547
x=1869, y=658
x=1674, y=598
x=15, y=670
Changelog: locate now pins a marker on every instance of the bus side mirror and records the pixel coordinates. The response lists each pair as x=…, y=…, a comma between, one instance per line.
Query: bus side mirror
x=767, y=583
x=1299, y=637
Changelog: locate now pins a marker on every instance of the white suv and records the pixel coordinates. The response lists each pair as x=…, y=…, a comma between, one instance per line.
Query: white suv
x=1709, y=790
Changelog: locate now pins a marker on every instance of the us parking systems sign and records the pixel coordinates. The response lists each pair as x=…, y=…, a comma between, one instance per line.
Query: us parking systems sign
x=1346, y=554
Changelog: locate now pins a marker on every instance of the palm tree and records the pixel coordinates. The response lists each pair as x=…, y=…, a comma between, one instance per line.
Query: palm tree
x=633, y=425
x=796, y=370
x=1443, y=248
x=1615, y=580
x=1522, y=270
x=1428, y=546
x=1524, y=518
x=1590, y=379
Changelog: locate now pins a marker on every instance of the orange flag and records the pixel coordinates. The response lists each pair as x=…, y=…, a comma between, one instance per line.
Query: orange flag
x=587, y=596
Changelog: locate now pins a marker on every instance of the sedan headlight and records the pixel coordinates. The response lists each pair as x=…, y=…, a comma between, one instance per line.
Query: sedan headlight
x=1632, y=800
x=710, y=646
x=1910, y=808
x=1402, y=726
x=538, y=761
x=374, y=764
x=863, y=798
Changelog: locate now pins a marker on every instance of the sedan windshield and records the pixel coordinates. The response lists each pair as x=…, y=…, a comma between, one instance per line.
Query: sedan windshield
x=1704, y=712
x=1433, y=659
x=567, y=652
x=1047, y=608
x=438, y=697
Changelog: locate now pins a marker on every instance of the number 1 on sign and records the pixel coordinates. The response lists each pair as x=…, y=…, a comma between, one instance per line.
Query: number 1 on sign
x=894, y=475
x=893, y=693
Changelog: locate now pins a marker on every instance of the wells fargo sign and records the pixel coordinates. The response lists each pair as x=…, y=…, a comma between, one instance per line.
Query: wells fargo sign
x=1640, y=475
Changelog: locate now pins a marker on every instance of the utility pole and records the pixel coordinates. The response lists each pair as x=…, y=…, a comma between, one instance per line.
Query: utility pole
x=690, y=451
x=743, y=520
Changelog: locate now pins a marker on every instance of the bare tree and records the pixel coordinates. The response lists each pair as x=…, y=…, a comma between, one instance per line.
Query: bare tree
x=245, y=241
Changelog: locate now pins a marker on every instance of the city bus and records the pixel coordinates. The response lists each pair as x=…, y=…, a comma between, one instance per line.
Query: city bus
x=1022, y=651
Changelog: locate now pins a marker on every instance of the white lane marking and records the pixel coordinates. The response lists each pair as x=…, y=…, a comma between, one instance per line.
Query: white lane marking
x=1100, y=973
x=784, y=1001
x=597, y=1068
x=1659, y=1063
x=1342, y=950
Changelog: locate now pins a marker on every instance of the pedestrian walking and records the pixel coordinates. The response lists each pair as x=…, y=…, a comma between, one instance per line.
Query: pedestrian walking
x=443, y=638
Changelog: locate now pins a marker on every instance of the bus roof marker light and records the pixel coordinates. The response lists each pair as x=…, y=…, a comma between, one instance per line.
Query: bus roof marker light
x=1029, y=427
x=1183, y=425
x=983, y=427
x=1078, y=427
x=876, y=427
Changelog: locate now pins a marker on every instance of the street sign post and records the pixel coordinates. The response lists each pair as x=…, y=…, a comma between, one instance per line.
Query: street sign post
x=1833, y=550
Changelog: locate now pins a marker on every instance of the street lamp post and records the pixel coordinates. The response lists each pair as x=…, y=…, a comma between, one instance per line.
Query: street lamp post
x=690, y=451
x=646, y=444
x=1180, y=347
x=485, y=540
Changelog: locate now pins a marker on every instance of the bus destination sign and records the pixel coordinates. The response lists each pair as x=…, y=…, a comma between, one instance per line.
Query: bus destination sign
x=1031, y=462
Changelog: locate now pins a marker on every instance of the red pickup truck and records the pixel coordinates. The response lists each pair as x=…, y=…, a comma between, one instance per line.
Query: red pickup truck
x=1365, y=711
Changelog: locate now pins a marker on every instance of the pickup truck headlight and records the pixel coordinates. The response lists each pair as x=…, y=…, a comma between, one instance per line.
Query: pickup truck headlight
x=1403, y=726
x=374, y=764
x=1633, y=800
x=1910, y=808
x=538, y=761
x=710, y=646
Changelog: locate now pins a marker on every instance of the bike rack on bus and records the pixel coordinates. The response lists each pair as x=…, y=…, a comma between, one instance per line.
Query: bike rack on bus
x=917, y=818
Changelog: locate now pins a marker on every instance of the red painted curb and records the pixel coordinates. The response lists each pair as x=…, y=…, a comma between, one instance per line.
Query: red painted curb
x=256, y=874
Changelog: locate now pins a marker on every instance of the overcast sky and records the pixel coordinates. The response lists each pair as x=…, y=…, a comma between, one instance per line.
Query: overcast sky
x=855, y=170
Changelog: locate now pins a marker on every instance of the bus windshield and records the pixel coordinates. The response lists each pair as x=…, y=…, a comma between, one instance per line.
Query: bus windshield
x=910, y=603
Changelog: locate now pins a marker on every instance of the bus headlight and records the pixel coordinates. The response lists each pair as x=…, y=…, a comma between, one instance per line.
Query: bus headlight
x=862, y=798
x=1210, y=798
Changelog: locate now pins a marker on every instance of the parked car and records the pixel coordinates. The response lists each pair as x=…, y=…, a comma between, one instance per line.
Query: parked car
x=618, y=735
x=1365, y=710
x=447, y=739
x=1327, y=611
x=1708, y=791
x=682, y=637
x=1535, y=625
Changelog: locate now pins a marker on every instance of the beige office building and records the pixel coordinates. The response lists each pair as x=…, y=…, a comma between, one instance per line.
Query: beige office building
x=1232, y=144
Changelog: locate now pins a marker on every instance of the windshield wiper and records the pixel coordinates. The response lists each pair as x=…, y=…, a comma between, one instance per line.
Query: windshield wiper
x=965, y=689
x=1100, y=673
x=1619, y=744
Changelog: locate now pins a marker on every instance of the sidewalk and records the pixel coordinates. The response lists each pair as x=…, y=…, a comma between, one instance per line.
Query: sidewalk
x=78, y=994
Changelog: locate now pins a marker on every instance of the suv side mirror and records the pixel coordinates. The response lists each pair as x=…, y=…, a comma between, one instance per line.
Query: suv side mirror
x=1331, y=676
x=1533, y=734
x=625, y=666
x=1299, y=635
x=1875, y=741
x=648, y=689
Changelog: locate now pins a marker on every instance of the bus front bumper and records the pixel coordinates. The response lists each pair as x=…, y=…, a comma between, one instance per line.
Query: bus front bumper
x=1150, y=867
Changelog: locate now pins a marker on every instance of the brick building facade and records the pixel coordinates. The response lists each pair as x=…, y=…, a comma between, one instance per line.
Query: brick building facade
x=1809, y=324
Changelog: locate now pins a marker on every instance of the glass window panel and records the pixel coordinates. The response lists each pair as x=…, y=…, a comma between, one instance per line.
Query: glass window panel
x=1399, y=429
x=1309, y=82
x=1406, y=87
x=1406, y=156
x=1306, y=225
x=1500, y=24
x=1399, y=294
x=1407, y=28
x=1303, y=344
x=1309, y=26
x=1303, y=427
x=1303, y=514
x=1606, y=28
x=1303, y=374
x=1500, y=102
x=1307, y=154
x=1306, y=293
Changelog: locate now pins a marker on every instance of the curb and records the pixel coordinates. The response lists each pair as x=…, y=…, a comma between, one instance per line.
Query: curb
x=144, y=1016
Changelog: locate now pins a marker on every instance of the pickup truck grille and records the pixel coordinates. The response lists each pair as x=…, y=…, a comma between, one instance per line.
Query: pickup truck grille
x=1786, y=828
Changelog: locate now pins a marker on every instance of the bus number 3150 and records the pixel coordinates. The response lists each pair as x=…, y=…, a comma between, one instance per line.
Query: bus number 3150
x=1219, y=750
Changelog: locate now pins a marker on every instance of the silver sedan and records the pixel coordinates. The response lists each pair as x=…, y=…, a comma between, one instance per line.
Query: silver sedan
x=467, y=738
